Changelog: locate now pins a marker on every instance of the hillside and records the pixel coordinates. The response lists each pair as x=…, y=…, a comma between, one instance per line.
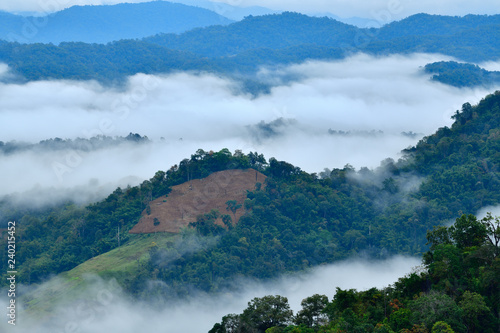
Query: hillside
x=452, y=36
x=198, y=196
x=297, y=221
x=103, y=24
x=277, y=31
x=455, y=291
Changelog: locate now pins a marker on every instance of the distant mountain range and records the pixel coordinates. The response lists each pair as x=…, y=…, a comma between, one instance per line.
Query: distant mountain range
x=468, y=38
x=103, y=24
x=235, y=13
x=240, y=49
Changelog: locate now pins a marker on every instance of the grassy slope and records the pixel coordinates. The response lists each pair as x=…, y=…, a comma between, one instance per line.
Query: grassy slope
x=119, y=263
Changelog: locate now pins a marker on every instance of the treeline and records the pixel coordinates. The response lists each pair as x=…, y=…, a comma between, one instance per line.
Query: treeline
x=456, y=290
x=80, y=144
x=240, y=49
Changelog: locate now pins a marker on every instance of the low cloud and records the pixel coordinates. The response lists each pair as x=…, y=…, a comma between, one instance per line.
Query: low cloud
x=183, y=112
x=105, y=308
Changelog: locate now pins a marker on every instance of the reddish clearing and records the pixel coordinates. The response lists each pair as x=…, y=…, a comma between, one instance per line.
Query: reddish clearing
x=198, y=196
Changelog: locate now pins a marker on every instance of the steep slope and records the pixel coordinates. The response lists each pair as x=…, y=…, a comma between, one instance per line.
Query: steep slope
x=102, y=24
x=198, y=196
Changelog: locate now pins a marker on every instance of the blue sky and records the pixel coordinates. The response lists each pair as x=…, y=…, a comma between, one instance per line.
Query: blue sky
x=379, y=10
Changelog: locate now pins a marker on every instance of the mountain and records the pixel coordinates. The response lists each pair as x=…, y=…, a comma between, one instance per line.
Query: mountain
x=294, y=222
x=240, y=49
x=102, y=24
x=277, y=31
x=235, y=13
x=436, y=25
x=471, y=38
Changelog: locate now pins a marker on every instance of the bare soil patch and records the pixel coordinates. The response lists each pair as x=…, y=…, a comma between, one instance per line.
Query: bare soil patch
x=198, y=196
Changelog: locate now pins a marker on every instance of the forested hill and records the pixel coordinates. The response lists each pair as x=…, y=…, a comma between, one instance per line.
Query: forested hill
x=462, y=74
x=456, y=291
x=298, y=220
x=275, y=31
x=241, y=48
x=437, y=25
x=429, y=33
x=103, y=24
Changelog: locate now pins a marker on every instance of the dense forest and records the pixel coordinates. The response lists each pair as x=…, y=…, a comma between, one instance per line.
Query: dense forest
x=296, y=221
x=240, y=49
x=456, y=290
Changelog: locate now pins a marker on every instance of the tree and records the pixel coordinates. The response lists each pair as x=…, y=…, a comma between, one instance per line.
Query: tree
x=268, y=311
x=434, y=307
x=468, y=231
x=474, y=308
x=492, y=225
x=312, y=313
x=441, y=327
x=233, y=206
x=227, y=220
x=231, y=323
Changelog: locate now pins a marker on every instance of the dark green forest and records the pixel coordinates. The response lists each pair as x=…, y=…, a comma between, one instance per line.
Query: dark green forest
x=456, y=290
x=462, y=74
x=238, y=50
x=296, y=221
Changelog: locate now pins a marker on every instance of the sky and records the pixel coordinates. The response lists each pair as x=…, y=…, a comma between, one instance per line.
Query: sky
x=381, y=11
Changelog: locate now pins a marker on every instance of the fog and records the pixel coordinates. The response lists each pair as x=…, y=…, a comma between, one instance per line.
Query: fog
x=105, y=309
x=181, y=113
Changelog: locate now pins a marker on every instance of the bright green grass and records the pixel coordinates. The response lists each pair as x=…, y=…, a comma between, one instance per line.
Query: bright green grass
x=122, y=260
x=120, y=264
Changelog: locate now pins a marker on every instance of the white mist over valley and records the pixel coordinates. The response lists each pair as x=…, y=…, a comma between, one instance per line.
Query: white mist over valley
x=365, y=102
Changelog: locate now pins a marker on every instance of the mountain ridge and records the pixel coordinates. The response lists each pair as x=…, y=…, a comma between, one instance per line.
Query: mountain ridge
x=107, y=23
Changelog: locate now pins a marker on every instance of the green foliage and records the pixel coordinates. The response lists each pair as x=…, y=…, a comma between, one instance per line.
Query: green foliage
x=442, y=327
x=437, y=306
x=313, y=311
x=266, y=312
x=419, y=302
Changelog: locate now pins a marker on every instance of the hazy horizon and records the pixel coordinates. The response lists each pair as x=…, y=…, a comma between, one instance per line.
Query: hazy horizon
x=380, y=11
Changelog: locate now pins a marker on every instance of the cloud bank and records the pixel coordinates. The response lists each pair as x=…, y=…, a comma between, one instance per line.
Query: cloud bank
x=106, y=310
x=181, y=113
